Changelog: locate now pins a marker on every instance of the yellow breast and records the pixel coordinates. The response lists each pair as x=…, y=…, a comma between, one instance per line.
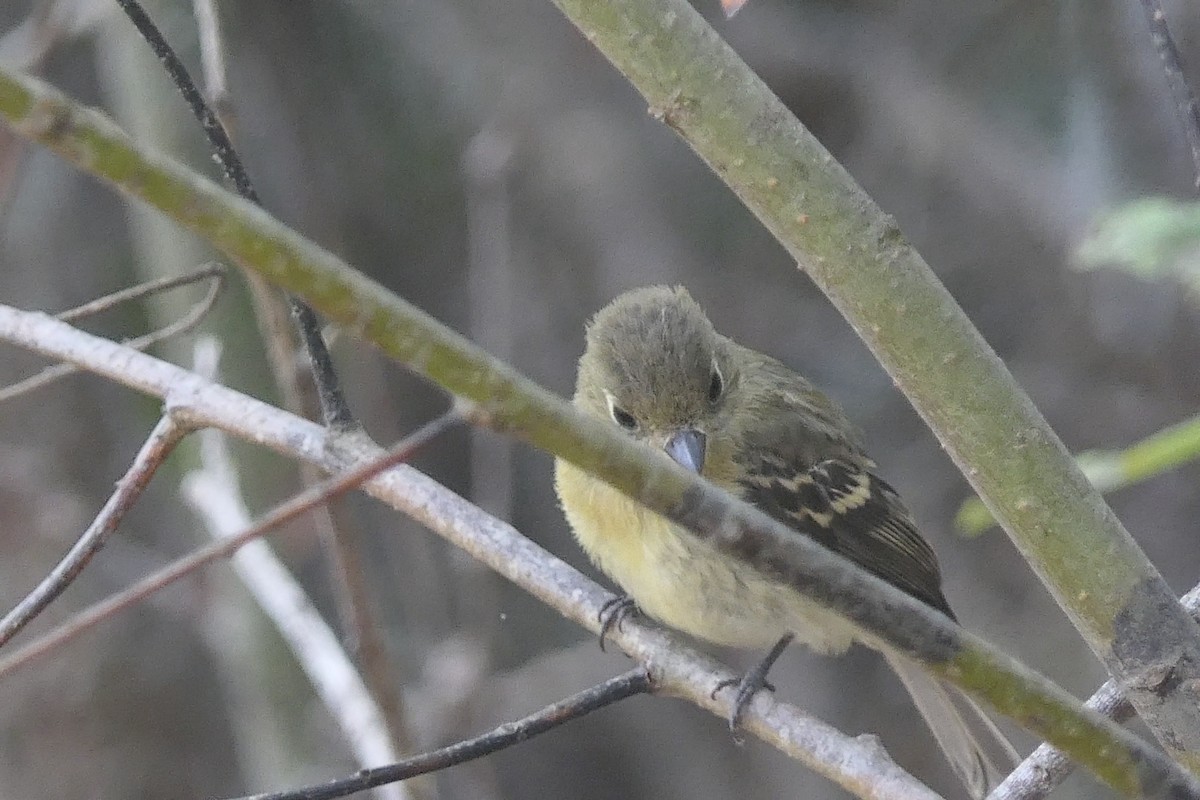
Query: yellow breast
x=682, y=581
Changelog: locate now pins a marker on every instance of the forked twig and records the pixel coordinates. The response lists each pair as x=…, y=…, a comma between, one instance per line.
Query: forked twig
x=310, y=498
x=214, y=272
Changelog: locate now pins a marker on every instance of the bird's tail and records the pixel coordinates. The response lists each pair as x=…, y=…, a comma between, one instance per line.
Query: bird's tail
x=972, y=742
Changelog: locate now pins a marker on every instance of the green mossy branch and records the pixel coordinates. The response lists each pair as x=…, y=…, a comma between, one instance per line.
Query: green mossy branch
x=512, y=403
x=1154, y=238
x=1109, y=470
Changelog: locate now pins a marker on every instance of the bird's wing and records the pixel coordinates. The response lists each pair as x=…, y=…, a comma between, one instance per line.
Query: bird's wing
x=852, y=512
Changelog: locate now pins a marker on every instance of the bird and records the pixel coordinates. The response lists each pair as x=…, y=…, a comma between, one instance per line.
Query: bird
x=654, y=366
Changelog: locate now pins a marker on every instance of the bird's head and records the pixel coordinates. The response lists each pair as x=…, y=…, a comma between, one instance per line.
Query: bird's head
x=657, y=369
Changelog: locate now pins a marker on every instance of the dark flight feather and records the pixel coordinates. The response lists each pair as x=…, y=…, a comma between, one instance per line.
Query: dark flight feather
x=852, y=512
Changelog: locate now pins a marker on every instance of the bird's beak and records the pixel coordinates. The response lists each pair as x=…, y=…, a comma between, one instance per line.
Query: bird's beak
x=686, y=447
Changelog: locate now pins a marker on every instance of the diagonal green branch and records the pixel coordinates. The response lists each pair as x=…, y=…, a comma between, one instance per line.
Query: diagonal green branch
x=1109, y=470
x=696, y=84
x=512, y=403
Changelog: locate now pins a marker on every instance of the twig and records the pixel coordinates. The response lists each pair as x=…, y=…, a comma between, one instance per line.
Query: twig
x=634, y=682
x=213, y=492
x=857, y=763
x=334, y=407
x=307, y=500
x=161, y=443
x=213, y=270
x=225, y=152
x=341, y=548
x=1181, y=92
x=185, y=323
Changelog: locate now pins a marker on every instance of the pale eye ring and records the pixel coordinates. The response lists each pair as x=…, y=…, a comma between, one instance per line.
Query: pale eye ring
x=621, y=416
x=624, y=418
x=716, y=384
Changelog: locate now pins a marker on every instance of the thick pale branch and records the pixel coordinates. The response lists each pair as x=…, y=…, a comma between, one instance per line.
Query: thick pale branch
x=214, y=493
x=857, y=764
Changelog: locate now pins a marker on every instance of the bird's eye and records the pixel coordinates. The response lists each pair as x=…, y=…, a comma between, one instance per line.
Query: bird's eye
x=623, y=418
x=716, y=385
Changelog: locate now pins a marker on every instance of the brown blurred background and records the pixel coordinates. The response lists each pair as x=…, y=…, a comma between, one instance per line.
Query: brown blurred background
x=483, y=161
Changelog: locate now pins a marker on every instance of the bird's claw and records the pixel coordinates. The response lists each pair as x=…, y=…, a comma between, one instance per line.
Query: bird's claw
x=613, y=614
x=748, y=686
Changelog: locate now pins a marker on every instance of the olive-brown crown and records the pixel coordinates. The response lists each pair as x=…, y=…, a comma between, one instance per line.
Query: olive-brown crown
x=654, y=363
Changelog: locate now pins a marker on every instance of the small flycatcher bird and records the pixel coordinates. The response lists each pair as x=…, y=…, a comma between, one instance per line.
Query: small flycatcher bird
x=655, y=367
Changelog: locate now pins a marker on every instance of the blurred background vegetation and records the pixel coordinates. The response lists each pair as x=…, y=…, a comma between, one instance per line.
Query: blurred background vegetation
x=482, y=160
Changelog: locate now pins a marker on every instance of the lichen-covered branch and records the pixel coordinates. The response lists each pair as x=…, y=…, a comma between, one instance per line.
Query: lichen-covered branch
x=1109, y=470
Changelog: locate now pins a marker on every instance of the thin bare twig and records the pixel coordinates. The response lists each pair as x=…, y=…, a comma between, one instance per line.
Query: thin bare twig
x=161, y=443
x=634, y=682
x=270, y=309
x=334, y=407
x=225, y=152
x=353, y=599
x=336, y=529
x=215, y=272
x=310, y=498
x=1181, y=92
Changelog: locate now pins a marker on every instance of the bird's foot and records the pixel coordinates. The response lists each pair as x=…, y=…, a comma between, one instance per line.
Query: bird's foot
x=749, y=684
x=614, y=613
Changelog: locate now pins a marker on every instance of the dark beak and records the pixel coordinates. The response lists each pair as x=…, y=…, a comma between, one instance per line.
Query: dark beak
x=686, y=447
